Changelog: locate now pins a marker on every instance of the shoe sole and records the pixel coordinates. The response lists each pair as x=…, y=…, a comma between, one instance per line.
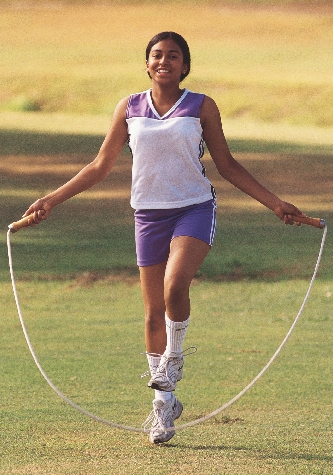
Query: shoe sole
x=154, y=385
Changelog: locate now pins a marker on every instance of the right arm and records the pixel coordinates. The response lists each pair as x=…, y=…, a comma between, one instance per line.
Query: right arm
x=233, y=171
x=92, y=173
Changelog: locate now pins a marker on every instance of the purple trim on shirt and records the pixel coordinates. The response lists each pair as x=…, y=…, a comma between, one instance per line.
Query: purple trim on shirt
x=138, y=106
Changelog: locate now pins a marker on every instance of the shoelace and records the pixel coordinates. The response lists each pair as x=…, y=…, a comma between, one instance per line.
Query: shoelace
x=149, y=421
x=191, y=349
x=154, y=414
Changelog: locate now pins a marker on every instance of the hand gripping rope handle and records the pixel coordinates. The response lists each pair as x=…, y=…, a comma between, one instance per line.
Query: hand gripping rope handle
x=316, y=222
x=21, y=223
x=319, y=223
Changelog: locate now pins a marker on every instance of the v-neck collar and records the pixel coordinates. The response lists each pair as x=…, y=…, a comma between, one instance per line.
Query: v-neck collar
x=151, y=105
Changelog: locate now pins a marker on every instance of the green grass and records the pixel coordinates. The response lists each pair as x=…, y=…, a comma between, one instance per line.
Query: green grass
x=76, y=273
x=105, y=241
x=88, y=336
x=73, y=272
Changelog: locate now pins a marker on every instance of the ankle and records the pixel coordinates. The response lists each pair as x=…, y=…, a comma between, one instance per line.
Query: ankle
x=164, y=395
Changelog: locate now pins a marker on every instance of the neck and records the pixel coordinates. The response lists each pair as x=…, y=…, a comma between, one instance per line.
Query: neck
x=164, y=94
x=164, y=98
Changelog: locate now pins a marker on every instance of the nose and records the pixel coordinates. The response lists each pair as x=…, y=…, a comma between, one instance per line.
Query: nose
x=163, y=59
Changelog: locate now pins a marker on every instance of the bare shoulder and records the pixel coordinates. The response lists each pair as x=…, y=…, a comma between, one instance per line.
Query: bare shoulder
x=121, y=107
x=118, y=120
x=209, y=112
x=117, y=133
x=209, y=102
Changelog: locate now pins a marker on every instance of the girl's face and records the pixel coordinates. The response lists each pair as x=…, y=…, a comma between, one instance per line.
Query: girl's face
x=165, y=62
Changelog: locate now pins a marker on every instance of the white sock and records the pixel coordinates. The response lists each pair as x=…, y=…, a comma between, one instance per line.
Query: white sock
x=163, y=395
x=176, y=332
x=153, y=362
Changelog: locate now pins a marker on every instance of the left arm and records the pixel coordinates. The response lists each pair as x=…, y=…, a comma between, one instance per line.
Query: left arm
x=233, y=171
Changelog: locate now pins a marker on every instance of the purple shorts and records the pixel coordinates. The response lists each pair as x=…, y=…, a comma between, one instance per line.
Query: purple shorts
x=155, y=229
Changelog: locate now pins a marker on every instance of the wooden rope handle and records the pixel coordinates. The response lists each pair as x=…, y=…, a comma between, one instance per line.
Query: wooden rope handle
x=316, y=222
x=17, y=225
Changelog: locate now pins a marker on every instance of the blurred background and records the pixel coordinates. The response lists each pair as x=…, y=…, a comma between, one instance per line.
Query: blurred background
x=261, y=60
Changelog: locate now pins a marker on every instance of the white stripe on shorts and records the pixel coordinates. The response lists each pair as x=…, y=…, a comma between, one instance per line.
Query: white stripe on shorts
x=213, y=227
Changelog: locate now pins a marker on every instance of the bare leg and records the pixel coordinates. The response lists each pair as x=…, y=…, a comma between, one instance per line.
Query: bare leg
x=152, y=286
x=186, y=256
x=165, y=288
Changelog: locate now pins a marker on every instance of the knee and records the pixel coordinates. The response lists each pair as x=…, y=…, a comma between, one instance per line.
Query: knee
x=176, y=291
x=155, y=321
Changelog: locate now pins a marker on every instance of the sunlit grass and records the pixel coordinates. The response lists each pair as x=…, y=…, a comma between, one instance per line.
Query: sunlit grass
x=261, y=64
x=87, y=336
x=77, y=276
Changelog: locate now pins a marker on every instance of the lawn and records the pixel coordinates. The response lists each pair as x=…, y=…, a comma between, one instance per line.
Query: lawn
x=76, y=273
x=73, y=272
x=281, y=426
x=259, y=62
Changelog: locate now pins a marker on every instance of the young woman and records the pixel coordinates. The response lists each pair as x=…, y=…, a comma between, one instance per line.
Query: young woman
x=175, y=209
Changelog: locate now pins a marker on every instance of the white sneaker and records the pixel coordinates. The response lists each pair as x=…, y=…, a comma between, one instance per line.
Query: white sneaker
x=169, y=371
x=162, y=417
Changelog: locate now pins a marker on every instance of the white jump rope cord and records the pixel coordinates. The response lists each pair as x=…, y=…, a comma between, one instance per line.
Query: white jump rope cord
x=178, y=427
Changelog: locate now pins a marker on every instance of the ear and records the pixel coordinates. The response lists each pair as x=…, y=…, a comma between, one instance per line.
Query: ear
x=184, y=68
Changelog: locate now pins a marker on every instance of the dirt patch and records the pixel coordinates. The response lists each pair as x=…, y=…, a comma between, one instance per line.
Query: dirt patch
x=305, y=180
x=88, y=279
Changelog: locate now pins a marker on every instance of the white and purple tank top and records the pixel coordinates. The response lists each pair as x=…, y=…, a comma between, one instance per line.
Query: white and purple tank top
x=167, y=171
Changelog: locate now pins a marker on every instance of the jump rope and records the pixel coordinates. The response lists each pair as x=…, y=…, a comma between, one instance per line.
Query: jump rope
x=15, y=226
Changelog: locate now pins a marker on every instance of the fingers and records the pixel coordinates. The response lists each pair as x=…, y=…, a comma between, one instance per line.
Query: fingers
x=37, y=217
x=291, y=219
x=35, y=207
x=288, y=213
x=37, y=212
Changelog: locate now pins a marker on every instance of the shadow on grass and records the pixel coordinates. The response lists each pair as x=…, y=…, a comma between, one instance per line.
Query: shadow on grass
x=95, y=238
x=13, y=142
x=38, y=143
x=95, y=233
